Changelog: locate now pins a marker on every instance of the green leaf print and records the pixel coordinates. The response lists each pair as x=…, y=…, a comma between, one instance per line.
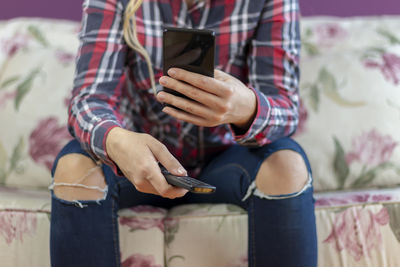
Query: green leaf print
x=38, y=35
x=394, y=218
x=327, y=80
x=340, y=165
x=366, y=178
x=373, y=52
x=329, y=87
x=308, y=33
x=310, y=49
x=388, y=35
x=16, y=155
x=3, y=176
x=9, y=81
x=3, y=157
x=193, y=208
x=175, y=257
x=171, y=228
x=3, y=164
x=25, y=86
x=236, y=209
x=314, y=97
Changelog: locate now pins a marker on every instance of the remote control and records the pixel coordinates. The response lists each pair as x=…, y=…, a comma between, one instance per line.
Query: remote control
x=189, y=183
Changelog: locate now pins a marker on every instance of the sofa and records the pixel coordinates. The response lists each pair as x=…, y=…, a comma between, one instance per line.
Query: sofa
x=349, y=127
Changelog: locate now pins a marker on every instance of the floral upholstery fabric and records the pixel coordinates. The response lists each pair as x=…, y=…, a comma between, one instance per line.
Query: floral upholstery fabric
x=354, y=229
x=36, y=68
x=351, y=102
x=349, y=129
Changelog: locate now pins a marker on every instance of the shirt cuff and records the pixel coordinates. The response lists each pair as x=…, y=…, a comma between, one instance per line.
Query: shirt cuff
x=259, y=123
x=98, y=143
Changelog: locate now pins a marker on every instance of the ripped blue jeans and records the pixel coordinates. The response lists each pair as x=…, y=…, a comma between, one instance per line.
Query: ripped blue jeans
x=282, y=231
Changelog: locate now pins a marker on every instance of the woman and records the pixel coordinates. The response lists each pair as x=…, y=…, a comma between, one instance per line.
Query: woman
x=231, y=132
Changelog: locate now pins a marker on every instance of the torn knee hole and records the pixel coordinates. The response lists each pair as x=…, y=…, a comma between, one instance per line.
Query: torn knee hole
x=253, y=190
x=91, y=186
x=284, y=172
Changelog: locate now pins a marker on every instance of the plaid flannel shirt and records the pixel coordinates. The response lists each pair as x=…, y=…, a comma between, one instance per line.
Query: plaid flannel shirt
x=257, y=41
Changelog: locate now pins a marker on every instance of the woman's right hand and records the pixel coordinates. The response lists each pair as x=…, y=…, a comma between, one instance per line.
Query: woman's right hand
x=137, y=155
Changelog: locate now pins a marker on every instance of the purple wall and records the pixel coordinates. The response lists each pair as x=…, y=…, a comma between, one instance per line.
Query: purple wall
x=63, y=9
x=346, y=8
x=71, y=9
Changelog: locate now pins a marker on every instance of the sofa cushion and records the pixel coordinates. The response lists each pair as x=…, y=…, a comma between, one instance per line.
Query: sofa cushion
x=358, y=228
x=36, y=69
x=351, y=101
x=197, y=235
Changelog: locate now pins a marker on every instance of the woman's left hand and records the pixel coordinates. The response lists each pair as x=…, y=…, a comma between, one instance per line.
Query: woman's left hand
x=212, y=101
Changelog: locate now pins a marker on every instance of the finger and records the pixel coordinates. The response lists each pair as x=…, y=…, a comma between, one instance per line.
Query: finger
x=145, y=186
x=186, y=105
x=220, y=75
x=161, y=153
x=206, y=83
x=190, y=91
x=150, y=174
x=175, y=192
x=181, y=115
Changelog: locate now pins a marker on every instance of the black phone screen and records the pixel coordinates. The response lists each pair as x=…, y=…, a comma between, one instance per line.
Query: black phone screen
x=189, y=49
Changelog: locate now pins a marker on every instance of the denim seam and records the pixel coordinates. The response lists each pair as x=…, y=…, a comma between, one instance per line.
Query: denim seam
x=253, y=243
x=116, y=244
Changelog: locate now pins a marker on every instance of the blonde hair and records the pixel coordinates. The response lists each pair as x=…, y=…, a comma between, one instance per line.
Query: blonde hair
x=131, y=39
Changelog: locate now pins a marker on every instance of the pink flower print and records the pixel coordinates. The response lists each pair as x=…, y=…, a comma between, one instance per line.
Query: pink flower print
x=142, y=223
x=371, y=149
x=46, y=140
x=329, y=33
x=381, y=198
x=63, y=57
x=389, y=65
x=352, y=199
x=15, y=224
x=171, y=222
x=357, y=230
x=6, y=97
x=11, y=46
x=327, y=202
x=139, y=260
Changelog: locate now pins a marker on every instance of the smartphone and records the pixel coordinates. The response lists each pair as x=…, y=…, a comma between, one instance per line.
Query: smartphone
x=189, y=183
x=189, y=49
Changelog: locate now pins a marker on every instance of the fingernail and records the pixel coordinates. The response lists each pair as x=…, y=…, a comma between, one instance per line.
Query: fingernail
x=171, y=72
x=161, y=96
x=163, y=80
x=181, y=171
